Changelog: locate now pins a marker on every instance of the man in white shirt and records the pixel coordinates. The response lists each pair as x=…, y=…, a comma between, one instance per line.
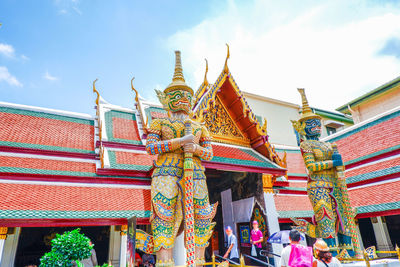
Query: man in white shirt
x=294, y=238
x=232, y=251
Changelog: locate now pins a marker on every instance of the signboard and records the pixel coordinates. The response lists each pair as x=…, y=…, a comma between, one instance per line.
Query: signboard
x=244, y=230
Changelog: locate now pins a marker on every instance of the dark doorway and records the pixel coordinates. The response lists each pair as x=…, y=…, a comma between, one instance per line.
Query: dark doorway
x=393, y=225
x=34, y=242
x=367, y=232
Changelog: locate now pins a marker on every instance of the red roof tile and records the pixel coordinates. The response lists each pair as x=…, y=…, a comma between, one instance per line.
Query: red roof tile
x=292, y=203
x=48, y=166
x=72, y=198
x=375, y=194
x=374, y=167
x=295, y=162
x=45, y=132
x=370, y=140
x=125, y=129
x=134, y=158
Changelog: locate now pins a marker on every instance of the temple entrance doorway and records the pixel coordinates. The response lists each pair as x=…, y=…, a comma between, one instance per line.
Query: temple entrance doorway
x=34, y=242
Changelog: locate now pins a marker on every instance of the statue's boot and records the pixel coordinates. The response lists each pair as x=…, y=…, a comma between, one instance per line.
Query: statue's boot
x=346, y=244
x=333, y=248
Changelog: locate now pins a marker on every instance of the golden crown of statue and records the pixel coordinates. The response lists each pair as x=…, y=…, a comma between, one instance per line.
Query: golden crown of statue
x=306, y=113
x=178, y=81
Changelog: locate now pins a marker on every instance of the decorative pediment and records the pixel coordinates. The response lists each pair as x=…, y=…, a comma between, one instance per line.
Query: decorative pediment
x=221, y=126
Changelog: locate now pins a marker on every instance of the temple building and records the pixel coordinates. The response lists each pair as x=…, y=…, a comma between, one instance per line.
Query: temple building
x=60, y=170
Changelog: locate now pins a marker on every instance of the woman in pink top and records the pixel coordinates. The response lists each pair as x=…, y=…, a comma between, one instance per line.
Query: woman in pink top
x=256, y=238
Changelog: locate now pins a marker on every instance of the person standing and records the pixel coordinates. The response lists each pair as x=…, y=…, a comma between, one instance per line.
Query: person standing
x=256, y=239
x=92, y=260
x=324, y=257
x=296, y=254
x=232, y=251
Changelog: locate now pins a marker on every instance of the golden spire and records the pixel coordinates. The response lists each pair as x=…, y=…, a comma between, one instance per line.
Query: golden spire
x=136, y=92
x=306, y=112
x=205, y=82
x=95, y=91
x=226, y=70
x=178, y=81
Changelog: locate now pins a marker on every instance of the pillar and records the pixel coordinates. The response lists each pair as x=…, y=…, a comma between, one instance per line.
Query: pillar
x=381, y=233
x=3, y=236
x=114, y=245
x=122, y=254
x=227, y=210
x=272, y=221
x=10, y=247
x=179, y=251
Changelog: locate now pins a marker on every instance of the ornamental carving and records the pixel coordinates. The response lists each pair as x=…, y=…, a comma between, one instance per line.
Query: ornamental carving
x=221, y=125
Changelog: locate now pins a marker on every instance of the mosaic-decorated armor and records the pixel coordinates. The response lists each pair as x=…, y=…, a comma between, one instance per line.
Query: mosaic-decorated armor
x=179, y=197
x=166, y=193
x=326, y=191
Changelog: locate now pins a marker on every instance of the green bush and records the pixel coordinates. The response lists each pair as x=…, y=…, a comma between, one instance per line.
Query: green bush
x=66, y=248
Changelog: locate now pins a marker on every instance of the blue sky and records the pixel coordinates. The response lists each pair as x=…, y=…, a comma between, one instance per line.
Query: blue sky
x=51, y=51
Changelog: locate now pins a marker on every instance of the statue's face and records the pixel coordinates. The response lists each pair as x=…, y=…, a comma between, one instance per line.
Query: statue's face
x=313, y=127
x=179, y=100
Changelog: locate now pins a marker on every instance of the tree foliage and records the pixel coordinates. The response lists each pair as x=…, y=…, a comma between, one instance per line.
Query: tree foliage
x=67, y=248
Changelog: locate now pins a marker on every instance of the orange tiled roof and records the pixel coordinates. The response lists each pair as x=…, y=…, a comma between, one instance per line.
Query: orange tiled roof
x=32, y=201
x=39, y=130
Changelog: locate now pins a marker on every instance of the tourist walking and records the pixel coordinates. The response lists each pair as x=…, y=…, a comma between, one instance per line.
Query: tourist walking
x=324, y=257
x=232, y=251
x=295, y=254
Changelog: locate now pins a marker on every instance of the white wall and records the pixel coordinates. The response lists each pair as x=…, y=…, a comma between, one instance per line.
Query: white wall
x=278, y=115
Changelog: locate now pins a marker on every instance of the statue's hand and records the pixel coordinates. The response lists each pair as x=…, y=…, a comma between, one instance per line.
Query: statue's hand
x=187, y=139
x=190, y=148
x=337, y=160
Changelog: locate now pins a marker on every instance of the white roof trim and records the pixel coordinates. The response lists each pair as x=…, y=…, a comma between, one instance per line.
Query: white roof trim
x=48, y=110
x=148, y=187
x=375, y=184
x=33, y=156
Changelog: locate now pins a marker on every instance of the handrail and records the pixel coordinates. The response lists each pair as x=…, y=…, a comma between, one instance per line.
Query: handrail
x=268, y=252
x=225, y=259
x=257, y=260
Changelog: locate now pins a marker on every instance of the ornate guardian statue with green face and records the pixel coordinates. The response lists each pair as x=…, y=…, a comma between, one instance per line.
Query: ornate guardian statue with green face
x=176, y=141
x=326, y=187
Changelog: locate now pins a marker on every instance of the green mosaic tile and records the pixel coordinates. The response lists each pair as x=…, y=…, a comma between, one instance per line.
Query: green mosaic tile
x=46, y=115
x=291, y=188
x=45, y=147
x=46, y=172
x=296, y=214
x=109, y=115
x=153, y=109
x=379, y=207
x=371, y=175
x=115, y=165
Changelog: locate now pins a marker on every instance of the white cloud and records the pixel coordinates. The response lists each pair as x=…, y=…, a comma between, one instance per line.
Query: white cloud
x=25, y=58
x=7, y=50
x=277, y=46
x=49, y=77
x=8, y=78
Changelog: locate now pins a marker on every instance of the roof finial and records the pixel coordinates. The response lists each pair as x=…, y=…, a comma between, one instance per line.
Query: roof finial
x=95, y=91
x=136, y=92
x=226, y=70
x=178, y=81
x=205, y=74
